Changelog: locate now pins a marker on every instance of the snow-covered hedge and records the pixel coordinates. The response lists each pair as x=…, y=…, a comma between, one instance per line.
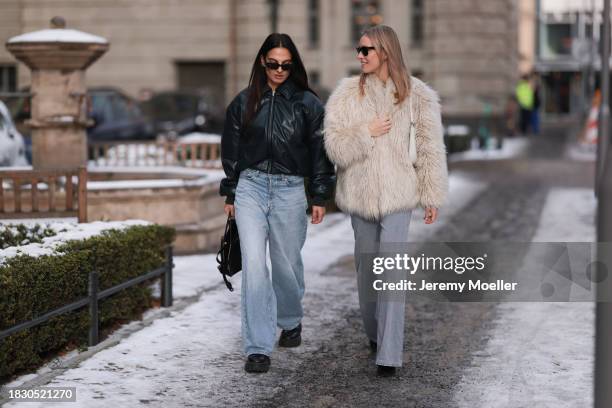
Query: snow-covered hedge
x=46, y=275
x=20, y=234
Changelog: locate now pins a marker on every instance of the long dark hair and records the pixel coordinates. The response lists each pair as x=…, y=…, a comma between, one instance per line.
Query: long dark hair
x=258, y=78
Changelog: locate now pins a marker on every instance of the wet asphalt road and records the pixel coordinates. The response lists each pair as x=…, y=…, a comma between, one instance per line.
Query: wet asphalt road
x=440, y=338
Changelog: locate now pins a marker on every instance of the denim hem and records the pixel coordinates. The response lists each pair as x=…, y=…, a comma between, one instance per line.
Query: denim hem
x=388, y=363
x=258, y=351
x=291, y=327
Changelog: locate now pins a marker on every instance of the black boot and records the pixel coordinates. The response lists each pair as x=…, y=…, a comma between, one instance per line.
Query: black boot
x=291, y=338
x=385, y=371
x=257, y=363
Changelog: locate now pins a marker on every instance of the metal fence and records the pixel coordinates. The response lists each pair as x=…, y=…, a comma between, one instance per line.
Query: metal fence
x=95, y=295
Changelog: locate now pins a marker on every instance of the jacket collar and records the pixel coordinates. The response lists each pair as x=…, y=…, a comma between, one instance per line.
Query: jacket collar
x=287, y=89
x=378, y=86
x=417, y=87
x=380, y=95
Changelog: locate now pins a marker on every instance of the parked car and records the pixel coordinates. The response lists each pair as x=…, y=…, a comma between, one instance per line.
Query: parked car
x=116, y=116
x=12, y=146
x=176, y=113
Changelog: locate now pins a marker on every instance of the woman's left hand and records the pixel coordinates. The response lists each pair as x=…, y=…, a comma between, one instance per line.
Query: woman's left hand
x=317, y=214
x=431, y=214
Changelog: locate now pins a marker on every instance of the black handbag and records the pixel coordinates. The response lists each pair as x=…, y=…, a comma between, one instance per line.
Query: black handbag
x=229, y=256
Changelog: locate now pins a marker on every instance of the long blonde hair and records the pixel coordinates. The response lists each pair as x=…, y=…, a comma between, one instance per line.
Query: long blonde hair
x=385, y=41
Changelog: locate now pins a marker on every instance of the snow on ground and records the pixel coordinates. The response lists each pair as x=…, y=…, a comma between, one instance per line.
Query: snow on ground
x=193, y=355
x=511, y=147
x=540, y=354
x=193, y=274
x=66, y=231
x=581, y=152
x=142, y=184
x=187, y=171
x=568, y=216
x=198, y=137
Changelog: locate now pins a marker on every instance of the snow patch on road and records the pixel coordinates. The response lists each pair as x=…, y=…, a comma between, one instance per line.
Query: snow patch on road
x=511, y=147
x=540, y=354
x=568, y=216
x=581, y=152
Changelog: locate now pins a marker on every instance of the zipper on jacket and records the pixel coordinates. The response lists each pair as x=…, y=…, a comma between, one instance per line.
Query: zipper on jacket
x=269, y=132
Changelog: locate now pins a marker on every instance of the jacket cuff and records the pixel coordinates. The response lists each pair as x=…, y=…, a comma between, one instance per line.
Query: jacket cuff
x=363, y=140
x=318, y=201
x=229, y=199
x=434, y=199
x=347, y=145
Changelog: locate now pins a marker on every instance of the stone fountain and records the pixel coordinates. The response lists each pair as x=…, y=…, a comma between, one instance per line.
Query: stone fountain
x=58, y=58
x=170, y=195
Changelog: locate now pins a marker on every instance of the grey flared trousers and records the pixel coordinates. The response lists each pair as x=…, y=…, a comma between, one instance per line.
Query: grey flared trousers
x=383, y=313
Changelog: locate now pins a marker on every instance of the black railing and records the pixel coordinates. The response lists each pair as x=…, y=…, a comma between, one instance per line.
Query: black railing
x=95, y=295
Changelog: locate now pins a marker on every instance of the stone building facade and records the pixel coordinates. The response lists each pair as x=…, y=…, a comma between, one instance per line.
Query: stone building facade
x=466, y=49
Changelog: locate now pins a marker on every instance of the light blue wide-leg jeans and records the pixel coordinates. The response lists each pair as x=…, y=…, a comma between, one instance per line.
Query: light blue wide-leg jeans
x=270, y=210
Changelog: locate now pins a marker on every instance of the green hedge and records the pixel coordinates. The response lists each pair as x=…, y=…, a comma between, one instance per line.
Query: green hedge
x=32, y=286
x=20, y=234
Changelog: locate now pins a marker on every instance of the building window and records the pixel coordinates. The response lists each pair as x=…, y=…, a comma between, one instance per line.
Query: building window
x=313, y=23
x=364, y=14
x=558, y=40
x=8, y=78
x=417, y=18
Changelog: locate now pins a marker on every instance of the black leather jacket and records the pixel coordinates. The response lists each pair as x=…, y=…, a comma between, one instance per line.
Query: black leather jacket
x=285, y=136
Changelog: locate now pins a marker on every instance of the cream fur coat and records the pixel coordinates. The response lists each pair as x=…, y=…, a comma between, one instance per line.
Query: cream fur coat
x=375, y=175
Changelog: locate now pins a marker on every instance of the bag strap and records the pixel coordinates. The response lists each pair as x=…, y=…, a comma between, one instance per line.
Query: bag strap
x=412, y=153
x=221, y=260
x=220, y=253
x=227, y=283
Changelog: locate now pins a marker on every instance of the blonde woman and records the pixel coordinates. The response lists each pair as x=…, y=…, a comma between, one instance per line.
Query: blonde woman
x=383, y=132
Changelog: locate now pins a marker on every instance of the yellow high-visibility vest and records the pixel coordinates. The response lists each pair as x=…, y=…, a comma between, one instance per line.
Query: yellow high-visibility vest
x=524, y=95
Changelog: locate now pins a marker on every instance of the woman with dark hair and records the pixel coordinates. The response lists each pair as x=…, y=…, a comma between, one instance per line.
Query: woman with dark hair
x=272, y=139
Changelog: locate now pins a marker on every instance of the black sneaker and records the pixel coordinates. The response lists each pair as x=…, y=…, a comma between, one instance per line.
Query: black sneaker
x=385, y=371
x=291, y=338
x=373, y=346
x=257, y=363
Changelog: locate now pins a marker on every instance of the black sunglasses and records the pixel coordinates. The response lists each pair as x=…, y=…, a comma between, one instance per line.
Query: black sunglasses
x=364, y=50
x=274, y=66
